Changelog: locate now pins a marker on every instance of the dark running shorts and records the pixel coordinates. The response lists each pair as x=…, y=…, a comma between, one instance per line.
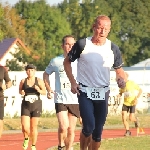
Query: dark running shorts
x=31, y=109
x=1, y=109
x=71, y=108
x=130, y=109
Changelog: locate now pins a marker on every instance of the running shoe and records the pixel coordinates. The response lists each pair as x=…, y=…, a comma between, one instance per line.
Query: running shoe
x=128, y=133
x=25, y=144
x=33, y=147
x=61, y=148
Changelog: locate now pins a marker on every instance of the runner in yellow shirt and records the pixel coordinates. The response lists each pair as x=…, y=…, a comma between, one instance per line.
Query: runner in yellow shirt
x=131, y=94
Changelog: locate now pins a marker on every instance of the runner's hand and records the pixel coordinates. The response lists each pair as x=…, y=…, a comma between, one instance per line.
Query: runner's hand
x=121, y=83
x=22, y=92
x=4, y=86
x=80, y=120
x=37, y=88
x=49, y=94
x=75, y=88
x=135, y=101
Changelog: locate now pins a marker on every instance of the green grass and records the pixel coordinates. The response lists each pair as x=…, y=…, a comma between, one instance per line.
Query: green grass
x=50, y=122
x=126, y=143
x=144, y=120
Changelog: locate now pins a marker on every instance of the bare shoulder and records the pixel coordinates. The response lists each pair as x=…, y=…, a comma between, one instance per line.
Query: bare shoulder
x=39, y=80
x=22, y=81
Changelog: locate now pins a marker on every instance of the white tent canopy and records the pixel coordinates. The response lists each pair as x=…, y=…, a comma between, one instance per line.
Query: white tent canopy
x=144, y=63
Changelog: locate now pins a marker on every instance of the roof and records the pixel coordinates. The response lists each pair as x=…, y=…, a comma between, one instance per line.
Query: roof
x=144, y=63
x=134, y=68
x=6, y=44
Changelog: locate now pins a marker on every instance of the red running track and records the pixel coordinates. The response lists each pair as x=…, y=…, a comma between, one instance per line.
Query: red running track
x=49, y=139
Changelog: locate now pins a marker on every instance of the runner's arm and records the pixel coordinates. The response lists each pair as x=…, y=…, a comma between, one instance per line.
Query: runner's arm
x=68, y=70
x=20, y=87
x=8, y=82
x=120, y=78
x=46, y=81
x=73, y=54
x=137, y=97
x=48, y=71
x=41, y=89
x=120, y=73
x=139, y=93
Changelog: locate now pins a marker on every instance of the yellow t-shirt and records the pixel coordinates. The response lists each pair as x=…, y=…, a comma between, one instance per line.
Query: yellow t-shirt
x=130, y=92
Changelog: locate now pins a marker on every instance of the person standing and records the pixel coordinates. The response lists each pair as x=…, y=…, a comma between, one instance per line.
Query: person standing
x=4, y=76
x=130, y=101
x=31, y=108
x=96, y=55
x=66, y=103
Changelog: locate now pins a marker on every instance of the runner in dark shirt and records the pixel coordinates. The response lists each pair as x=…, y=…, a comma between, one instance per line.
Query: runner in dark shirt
x=31, y=108
x=3, y=86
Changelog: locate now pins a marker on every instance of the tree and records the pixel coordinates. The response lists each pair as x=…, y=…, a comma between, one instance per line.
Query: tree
x=12, y=26
x=42, y=27
x=76, y=14
x=1, y=22
x=130, y=24
x=134, y=19
x=45, y=26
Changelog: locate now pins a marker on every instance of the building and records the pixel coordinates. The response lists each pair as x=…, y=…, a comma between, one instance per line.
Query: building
x=10, y=46
x=145, y=63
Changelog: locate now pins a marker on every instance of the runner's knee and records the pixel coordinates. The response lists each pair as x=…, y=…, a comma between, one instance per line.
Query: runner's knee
x=26, y=128
x=132, y=118
x=34, y=127
x=87, y=131
x=124, y=119
x=63, y=129
x=71, y=130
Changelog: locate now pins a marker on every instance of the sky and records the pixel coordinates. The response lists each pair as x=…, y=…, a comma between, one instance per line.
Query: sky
x=12, y=2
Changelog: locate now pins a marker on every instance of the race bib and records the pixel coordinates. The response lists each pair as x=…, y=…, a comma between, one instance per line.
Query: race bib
x=65, y=84
x=128, y=94
x=96, y=93
x=31, y=98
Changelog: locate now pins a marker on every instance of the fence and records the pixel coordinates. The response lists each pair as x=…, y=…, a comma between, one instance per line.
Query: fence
x=13, y=99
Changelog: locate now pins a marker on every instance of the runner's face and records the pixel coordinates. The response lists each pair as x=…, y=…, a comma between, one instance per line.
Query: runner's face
x=69, y=42
x=101, y=28
x=30, y=72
